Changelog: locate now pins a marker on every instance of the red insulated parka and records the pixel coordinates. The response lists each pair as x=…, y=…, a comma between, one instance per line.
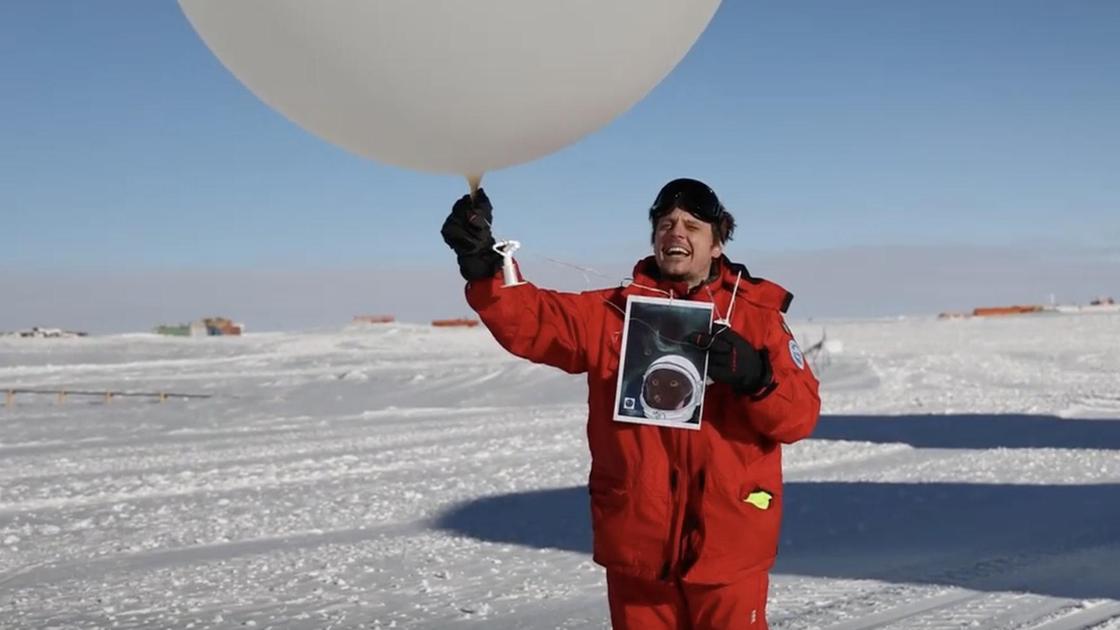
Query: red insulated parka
x=702, y=506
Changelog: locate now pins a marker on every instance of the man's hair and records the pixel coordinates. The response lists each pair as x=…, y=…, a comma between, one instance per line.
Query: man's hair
x=721, y=230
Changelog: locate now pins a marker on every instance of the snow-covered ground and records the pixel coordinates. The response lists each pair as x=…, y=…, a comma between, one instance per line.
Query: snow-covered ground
x=966, y=475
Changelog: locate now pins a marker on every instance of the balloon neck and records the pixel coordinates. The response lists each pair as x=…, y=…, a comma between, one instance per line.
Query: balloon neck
x=475, y=182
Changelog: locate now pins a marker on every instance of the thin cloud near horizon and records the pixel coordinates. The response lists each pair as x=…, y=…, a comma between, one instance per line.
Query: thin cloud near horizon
x=868, y=281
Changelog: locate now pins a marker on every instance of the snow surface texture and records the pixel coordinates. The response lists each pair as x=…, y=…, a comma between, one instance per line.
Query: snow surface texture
x=966, y=474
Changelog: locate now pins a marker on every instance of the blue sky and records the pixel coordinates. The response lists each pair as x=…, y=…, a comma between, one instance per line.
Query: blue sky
x=884, y=127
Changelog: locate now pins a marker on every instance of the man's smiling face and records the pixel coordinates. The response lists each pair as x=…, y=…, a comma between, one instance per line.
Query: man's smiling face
x=684, y=247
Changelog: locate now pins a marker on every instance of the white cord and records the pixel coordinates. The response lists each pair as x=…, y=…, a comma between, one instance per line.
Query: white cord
x=654, y=289
x=584, y=270
x=731, y=306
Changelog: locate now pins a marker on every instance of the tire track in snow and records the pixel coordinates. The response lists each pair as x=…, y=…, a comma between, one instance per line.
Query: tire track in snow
x=1031, y=608
x=960, y=606
x=394, y=473
x=273, y=477
x=1088, y=616
x=1001, y=611
x=885, y=618
x=101, y=455
x=56, y=571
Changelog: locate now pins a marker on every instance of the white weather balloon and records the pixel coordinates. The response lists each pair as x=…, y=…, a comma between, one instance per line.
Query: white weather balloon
x=452, y=86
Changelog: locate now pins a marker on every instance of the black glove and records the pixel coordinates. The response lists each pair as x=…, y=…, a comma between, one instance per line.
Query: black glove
x=467, y=232
x=732, y=360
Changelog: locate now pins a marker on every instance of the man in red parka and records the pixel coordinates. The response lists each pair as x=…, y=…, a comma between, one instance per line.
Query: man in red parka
x=685, y=522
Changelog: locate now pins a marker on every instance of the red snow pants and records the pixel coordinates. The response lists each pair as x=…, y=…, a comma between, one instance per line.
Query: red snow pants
x=638, y=604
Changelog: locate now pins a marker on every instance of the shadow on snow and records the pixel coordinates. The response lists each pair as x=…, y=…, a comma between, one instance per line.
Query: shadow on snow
x=973, y=431
x=1059, y=540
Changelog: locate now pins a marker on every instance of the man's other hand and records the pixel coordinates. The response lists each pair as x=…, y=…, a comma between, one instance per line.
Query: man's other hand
x=732, y=360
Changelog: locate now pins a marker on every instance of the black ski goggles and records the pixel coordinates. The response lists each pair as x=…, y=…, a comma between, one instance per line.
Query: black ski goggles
x=689, y=194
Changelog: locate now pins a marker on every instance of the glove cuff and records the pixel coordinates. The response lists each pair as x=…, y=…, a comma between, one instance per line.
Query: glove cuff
x=479, y=265
x=760, y=385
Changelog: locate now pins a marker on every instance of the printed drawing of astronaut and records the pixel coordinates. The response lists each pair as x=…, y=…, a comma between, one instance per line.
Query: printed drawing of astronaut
x=661, y=378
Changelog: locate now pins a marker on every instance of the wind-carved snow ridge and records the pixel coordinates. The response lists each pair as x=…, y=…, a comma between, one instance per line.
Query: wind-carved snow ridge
x=966, y=475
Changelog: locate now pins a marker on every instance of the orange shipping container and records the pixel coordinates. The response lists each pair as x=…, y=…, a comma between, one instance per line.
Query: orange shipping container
x=374, y=319
x=461, y=322
x=990, y=311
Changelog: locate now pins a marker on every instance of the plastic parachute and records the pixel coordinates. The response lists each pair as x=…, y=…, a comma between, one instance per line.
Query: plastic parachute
x=450, y=86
